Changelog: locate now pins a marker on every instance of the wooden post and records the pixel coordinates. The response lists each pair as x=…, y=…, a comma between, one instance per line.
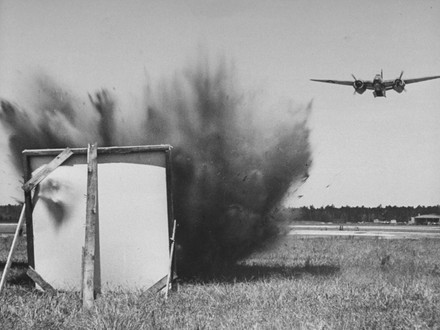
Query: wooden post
x=83, y=253
x=88, y=288
x=170, y=265
x=14, y=244
x=28, y=214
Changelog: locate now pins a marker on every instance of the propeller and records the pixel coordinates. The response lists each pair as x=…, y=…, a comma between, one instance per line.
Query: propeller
x=400, y=77
x=358, y=85
x=354, y=93
x=399, y=84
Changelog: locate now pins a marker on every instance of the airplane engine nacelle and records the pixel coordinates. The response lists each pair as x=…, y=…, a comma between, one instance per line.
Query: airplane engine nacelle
x=359, y=86
x=399, y=85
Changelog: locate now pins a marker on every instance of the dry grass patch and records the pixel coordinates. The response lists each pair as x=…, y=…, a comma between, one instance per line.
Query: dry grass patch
x=299, y=283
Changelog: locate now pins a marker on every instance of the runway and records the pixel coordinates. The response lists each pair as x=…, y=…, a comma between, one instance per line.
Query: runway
x=8, y=228
x=364, y=230
x=324, y=230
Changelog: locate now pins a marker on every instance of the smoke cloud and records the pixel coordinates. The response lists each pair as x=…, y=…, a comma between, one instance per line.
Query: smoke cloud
x=234, y=159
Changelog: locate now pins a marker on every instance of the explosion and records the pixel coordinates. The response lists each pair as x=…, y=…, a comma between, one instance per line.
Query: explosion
x=232, y=165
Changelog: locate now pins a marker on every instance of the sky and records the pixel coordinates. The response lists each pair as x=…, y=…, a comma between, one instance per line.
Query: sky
x=366, y=151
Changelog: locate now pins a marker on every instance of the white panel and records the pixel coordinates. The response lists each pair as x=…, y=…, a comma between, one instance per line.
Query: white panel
x=133, y=225
x=58, y=238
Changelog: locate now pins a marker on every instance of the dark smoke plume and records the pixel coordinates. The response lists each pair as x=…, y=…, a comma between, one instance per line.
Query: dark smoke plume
x=233, y=162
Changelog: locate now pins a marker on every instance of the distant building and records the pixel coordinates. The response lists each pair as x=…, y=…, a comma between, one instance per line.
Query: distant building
x=427, y=219
x=393, y=222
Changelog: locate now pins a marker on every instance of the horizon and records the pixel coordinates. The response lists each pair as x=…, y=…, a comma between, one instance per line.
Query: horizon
x=316, y=207
x=365, y=150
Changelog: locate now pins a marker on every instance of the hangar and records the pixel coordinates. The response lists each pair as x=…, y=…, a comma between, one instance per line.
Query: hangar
x=427, y=219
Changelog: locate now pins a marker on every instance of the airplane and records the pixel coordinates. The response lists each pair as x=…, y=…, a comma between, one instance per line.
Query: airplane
x=378, y=85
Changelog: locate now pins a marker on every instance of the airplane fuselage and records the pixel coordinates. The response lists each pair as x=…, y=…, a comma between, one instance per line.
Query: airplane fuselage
x=378, y=86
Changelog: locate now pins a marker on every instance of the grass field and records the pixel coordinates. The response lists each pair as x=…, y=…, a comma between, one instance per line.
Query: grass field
x=293, y=283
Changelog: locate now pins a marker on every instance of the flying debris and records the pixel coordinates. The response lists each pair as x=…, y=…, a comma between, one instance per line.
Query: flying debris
x=378, y=85
x=231, y=169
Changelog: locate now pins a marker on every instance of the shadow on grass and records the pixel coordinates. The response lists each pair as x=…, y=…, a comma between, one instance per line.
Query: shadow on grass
x=250, y=273
x=227, y=274
x=17, y=273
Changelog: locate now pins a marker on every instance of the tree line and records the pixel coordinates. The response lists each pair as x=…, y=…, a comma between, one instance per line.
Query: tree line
x=10, y=213
x=330, y=213
x=358, y=213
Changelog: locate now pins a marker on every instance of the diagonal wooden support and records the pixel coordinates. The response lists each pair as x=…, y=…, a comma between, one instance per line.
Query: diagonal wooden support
x=39, y=175
x=159, y=285
x=14, y=244
x=39, y=280
x=91, y=278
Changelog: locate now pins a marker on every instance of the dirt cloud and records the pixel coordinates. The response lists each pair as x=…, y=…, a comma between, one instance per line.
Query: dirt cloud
x=233, y=159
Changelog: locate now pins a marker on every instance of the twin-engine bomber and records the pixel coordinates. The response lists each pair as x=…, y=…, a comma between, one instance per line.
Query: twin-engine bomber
x=378, y=85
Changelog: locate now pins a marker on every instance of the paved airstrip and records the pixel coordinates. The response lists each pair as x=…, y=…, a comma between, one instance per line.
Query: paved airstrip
x=361, y=230
x=323, y=230
x=7, y=228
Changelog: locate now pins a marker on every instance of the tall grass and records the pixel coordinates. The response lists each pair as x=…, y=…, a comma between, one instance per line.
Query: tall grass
x=293, y=283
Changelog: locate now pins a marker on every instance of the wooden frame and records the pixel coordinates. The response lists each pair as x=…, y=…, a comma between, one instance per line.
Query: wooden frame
x=131, y=155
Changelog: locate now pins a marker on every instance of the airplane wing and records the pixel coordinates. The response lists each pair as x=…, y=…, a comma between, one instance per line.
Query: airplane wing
x=410, y=81
x=368, y=84
x=339, y=82
x=389, y=84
